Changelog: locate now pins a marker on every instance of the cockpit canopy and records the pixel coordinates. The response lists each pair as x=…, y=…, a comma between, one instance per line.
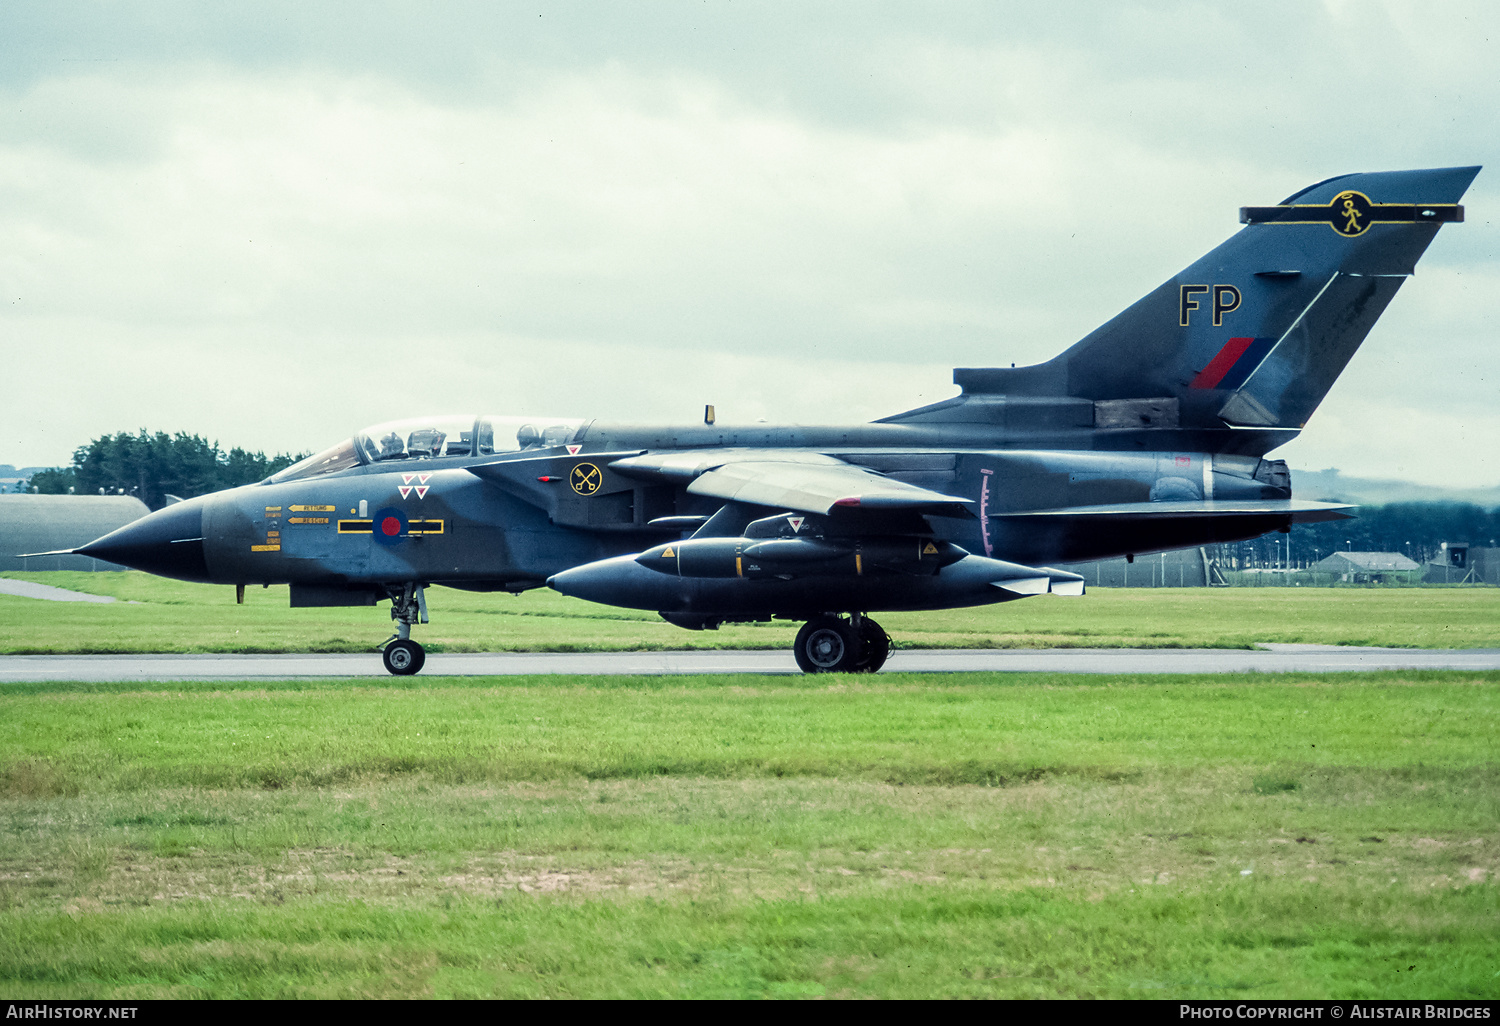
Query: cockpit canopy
x=425, y=438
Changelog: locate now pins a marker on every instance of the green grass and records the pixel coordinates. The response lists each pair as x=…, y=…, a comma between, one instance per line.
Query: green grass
x=158, y=615
x=968, y=835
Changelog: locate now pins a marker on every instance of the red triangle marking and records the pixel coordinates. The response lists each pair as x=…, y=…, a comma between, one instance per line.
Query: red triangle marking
x=422, y=478
x=573, y=450
x=406, y=478
x=405, y=490
x=422, y=491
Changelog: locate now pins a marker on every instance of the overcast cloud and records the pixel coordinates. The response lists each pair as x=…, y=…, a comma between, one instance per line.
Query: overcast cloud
x=272, y=224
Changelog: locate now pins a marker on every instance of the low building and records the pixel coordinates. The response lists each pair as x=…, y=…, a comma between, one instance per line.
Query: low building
x=1368, y=567
x=1462, y=563
x=43, y=523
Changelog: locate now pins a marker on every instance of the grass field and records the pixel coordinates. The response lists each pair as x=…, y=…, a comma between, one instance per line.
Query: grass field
x=158, y=615
x=906, y=836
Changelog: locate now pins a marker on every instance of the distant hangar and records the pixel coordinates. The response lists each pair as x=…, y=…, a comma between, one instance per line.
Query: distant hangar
x=42, y=523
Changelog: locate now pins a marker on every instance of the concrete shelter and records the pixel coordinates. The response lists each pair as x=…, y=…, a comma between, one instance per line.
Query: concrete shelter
x=42, y=523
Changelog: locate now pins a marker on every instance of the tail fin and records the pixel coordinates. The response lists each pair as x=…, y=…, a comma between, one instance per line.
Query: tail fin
x=1255, y=332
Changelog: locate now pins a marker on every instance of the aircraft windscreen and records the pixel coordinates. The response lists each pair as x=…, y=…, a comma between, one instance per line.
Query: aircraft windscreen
x=340, y=457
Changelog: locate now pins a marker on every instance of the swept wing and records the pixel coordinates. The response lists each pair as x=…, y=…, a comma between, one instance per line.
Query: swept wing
x=805, y=482
x=1299, y=510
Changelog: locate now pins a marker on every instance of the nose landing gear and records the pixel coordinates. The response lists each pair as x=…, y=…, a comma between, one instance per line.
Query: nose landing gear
x=401, y=655
x=831, y=644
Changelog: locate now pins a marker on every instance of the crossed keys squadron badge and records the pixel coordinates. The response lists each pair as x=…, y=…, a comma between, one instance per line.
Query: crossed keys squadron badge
x=585, y=479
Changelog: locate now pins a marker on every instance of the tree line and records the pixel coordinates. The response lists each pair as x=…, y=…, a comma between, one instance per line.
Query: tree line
x=152, y=466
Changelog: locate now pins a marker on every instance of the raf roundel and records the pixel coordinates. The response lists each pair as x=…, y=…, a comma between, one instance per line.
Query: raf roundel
x=389, y=526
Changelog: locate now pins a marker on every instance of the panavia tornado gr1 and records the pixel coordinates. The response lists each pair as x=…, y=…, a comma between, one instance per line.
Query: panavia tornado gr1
x=1149, y=434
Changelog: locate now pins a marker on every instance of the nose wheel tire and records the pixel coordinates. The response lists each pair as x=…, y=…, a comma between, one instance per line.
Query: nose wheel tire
x=403, y=658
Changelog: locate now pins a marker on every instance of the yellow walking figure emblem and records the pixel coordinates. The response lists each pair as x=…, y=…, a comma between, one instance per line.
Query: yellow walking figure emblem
x=1351, y=213
x=1351, y=223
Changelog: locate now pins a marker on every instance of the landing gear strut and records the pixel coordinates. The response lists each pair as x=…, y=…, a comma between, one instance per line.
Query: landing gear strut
x=401, y=655
x=831, y=644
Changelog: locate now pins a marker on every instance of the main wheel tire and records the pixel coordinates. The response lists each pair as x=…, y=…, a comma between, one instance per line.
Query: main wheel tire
x=826, y=644
x=403, y=658
x=875, y=644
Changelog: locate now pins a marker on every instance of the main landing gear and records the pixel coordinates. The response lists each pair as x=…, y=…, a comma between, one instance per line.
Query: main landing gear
x=403, y=656
x=831, y=644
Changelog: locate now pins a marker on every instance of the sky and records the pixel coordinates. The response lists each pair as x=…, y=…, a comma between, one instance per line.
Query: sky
x=272, y=224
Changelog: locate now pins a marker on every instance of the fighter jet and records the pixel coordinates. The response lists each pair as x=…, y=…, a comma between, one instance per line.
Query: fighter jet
x=1151, y=433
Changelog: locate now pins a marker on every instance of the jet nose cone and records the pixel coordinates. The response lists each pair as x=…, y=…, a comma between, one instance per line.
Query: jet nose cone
x=168, y=542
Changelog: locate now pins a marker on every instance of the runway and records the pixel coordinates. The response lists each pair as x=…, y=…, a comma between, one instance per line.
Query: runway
x=1266, y=659
x=46, y=592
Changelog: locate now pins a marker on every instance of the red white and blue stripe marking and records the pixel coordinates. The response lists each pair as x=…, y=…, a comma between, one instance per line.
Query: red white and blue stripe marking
x=1234, y=363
